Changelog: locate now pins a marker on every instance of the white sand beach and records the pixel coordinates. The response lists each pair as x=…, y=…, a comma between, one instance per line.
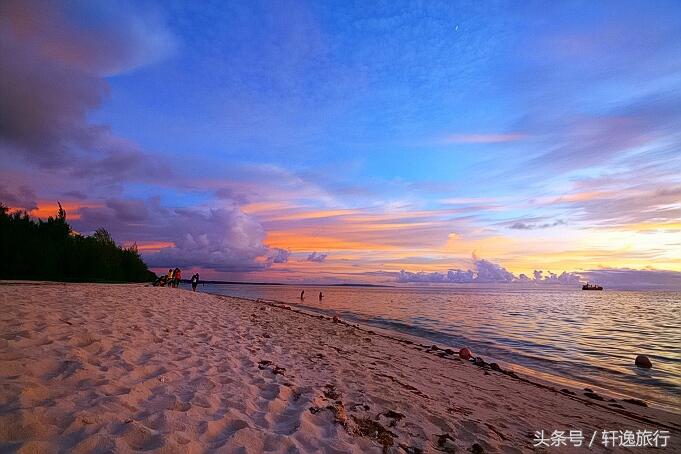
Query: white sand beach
x=90, y=368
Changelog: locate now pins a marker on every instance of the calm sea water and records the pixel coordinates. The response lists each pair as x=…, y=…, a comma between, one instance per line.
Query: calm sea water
x=566, y=336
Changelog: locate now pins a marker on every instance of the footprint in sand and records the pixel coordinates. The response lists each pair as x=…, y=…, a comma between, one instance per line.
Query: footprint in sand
x=218, y=432
x=289, y=420
x=141, y=438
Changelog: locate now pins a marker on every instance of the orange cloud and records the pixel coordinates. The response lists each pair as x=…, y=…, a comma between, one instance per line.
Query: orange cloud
x=152, y=245
x=50, y=208
x=312, y=215
x=264, y=207
x=302, y=240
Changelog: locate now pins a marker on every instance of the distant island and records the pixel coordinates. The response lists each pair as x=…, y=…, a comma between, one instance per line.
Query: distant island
x=51, y=251
x=207, y=281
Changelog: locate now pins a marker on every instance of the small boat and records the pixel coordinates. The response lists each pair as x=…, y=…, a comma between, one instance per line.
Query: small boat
x=588, y=286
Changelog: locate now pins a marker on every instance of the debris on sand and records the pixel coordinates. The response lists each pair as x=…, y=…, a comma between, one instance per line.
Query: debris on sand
x=366, y=427
x=276, y=370
x=393, y=416
x=477, y=449
x=331, y=393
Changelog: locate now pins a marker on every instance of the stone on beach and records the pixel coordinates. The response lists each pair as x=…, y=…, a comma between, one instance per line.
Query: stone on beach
x=643, y=361
x=465, y=353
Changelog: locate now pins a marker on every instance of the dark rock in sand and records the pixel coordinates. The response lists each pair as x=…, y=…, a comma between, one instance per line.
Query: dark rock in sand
x=589, y=390
x=479, y=361
x=643, y=361
x=393, y=414
x=636, y=402
x=394, y=417
x=445, y=443
x=449, y=351
x=567, y=391
x=477, y=449
x=592, y=395
x=465, y=353
x=495, y=366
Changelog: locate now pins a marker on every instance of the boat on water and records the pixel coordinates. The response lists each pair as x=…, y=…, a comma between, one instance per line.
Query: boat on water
x=589, y=286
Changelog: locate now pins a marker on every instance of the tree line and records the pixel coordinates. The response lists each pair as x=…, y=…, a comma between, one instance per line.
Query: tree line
x=51, y=250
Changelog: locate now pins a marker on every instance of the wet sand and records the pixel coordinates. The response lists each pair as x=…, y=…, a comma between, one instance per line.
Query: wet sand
x=125, y=368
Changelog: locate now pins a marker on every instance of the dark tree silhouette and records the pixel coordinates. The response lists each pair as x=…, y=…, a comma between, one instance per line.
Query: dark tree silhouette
x=50, y=250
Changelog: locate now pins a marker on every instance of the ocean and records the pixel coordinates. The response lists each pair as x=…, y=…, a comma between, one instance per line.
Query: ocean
x=567, y=336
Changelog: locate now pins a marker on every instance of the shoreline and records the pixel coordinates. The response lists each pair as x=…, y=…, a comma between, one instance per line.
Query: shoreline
x=137, y=367
x=528, y=375
x=549, y=379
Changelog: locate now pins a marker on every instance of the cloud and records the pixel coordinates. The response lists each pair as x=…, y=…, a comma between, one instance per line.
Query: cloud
x=315, y=257
x=278, y=255
x=54, y=56
x=520, y=225
x=610, y=278
x=627, y=202
x=631, y=279
x=75, y=195
x=96, y=37
x=221, y=239
x=603, y=140
x=486, y=272
x=564, y=278
x=23, y=198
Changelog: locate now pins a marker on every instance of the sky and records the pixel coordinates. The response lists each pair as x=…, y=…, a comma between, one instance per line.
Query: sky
x=330, y=142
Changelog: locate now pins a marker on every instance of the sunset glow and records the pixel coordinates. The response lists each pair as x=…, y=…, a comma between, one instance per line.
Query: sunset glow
x=346, y=144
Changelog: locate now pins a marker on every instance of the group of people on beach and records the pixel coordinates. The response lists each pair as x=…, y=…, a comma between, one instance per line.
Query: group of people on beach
x=173, y=278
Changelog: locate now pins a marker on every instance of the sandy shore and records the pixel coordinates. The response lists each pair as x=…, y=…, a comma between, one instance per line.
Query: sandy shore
x=104, y=368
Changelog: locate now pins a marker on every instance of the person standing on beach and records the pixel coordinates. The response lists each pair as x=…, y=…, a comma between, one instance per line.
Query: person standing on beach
x=302, y=295
x=321, y=295
x=178, y=276
x=195, y=281
x=169, y=278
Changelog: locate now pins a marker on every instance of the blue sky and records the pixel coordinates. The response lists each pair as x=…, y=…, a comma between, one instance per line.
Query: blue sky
x=533, y=134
